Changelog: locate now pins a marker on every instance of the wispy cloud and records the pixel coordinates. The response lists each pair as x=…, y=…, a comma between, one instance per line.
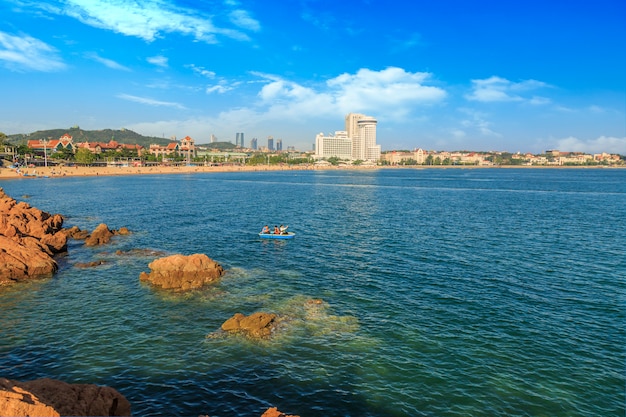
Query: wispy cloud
x=478, y=122
x=201, y=71
x=403, y=44
x=242, y=19
x=497, y=89
x=25, y=53
x=152, y=19
x=150, y=102
x=159, y=61
x=106, y=62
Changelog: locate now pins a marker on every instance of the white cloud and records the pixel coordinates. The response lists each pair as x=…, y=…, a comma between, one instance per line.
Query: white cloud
x=202, y=71
x=149, y=101
x=107, y=62
x=242, y=19
x=392, y=91
x=220, y=88
x=610, y=144
x=150, y=19
x=25, y=53
x=159, y=61
x=497, y=89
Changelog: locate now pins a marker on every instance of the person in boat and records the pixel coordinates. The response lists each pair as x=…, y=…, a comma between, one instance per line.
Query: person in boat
x=283, y=229
x=266, y=229
x=276, y=230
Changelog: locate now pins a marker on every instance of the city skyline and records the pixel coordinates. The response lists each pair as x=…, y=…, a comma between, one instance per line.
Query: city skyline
x=450, y=75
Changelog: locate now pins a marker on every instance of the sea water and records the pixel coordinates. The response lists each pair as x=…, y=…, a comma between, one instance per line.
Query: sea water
x=445, y=292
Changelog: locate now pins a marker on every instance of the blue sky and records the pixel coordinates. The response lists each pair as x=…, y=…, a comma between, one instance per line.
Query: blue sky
x=512, y=76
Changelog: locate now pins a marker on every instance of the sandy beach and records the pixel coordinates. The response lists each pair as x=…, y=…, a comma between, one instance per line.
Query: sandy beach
x=76, y=171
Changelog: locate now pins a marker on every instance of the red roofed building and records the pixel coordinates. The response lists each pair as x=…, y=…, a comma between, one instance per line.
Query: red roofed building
x=53, y=145
x=186, y=147
x=112, y=145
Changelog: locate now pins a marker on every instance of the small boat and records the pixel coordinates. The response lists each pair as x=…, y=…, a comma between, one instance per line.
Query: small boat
x=286, y=235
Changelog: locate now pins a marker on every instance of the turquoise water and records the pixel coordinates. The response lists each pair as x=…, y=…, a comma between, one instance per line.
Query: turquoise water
x=457, y=292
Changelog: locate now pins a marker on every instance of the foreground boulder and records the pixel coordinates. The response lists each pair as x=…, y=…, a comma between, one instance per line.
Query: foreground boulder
x=256, y=325
x=29, y=238
x=182, y=272
x=50, y=397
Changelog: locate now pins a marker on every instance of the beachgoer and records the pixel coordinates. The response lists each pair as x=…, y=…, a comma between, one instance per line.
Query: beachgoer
x=283, y=229
x=265, y=230
x=276, y=230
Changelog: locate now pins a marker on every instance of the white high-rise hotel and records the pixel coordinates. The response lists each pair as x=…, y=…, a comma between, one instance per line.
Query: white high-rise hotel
x=357, y=142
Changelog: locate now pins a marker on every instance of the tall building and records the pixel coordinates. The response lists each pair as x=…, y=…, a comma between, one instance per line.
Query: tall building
x=213, y=138
x=362, y=130
x=270, y=143
x=279, y=144
x=359, y=136
x=253, y=144
x=239, y=140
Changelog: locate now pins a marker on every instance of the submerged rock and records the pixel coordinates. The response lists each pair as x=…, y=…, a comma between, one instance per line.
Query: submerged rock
x=50, y=397
x=89, y=264
x=256, y=325
x=180, y=272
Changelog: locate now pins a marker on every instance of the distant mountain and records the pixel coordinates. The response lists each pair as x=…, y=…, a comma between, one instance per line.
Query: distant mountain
x=80, y=135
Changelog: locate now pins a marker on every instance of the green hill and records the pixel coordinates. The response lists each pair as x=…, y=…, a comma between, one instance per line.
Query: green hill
x=80, y=135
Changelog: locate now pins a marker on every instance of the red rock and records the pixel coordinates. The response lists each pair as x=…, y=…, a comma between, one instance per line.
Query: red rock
x=257, y=325
x=49, y=397
x=273, y=412
x=29, y=238
x=182, y=272
x=100, y=235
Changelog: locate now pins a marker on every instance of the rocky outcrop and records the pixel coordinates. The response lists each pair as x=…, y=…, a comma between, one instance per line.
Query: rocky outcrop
x=256, y=325
x=29, y=238
x=100, y=235
x=50, y=397
x=181, y=272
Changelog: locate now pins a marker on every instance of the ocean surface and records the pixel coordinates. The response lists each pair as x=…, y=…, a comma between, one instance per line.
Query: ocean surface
x=446, y=292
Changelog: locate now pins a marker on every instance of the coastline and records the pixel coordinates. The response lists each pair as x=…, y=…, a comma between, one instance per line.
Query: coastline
x=83, y=171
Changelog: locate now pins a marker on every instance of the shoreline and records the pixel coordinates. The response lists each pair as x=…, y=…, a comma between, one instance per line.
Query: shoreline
x=79, y=171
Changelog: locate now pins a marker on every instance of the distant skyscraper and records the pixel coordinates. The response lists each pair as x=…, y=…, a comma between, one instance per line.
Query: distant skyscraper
x=213, y=138
x=253, y=143
x=270, y=143
x=239, y=140
x=279, y=144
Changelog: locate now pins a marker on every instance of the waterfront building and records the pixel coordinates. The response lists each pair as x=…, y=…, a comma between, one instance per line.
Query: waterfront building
x=360, y=133
x=338, y=145
x=52, y=145
x=185, y=147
